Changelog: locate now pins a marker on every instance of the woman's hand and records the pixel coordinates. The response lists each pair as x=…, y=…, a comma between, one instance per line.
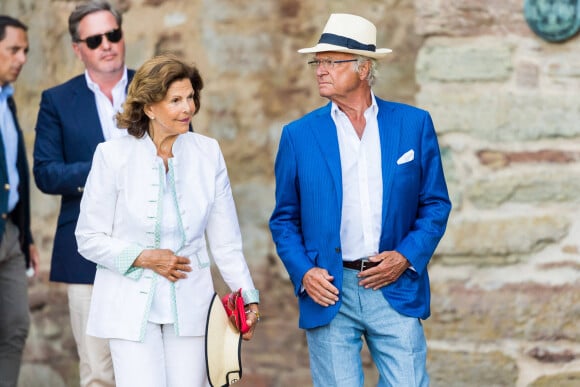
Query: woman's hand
x=252, y=318
x=165, y=263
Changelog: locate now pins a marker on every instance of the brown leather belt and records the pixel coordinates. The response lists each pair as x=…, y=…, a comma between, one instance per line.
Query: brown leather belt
x=359, y=264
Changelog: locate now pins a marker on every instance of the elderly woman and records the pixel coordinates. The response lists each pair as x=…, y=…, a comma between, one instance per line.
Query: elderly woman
x=150, y=201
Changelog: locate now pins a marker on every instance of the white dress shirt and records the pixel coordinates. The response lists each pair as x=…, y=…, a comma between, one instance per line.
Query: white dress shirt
x=161, y=307
x=108, y=110
x=362, y=184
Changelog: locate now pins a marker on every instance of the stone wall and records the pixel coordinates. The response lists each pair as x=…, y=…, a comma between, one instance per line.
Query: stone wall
x=506, y=283
x=505, y=278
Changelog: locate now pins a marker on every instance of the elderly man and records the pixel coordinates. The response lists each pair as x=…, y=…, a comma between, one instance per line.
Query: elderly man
x=16, y=246
x=361, y=204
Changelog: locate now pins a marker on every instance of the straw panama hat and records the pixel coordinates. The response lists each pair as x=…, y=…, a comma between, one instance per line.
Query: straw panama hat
x=223, y=345
x=351, y=34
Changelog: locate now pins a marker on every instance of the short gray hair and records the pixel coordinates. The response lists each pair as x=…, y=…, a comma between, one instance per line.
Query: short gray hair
x=85, y=9
x=373, y=72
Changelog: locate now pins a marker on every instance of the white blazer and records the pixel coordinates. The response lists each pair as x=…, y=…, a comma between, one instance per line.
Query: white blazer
x=120, y=217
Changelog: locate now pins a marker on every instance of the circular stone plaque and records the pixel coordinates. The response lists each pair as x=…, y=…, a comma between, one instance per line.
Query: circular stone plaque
x=553, y=20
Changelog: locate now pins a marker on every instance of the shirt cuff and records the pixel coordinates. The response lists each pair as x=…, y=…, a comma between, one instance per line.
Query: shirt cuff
x=124, y=262
x=251, y=296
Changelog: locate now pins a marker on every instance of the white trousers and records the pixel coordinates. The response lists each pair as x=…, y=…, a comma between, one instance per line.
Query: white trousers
x=95, y=364
x=161, y=360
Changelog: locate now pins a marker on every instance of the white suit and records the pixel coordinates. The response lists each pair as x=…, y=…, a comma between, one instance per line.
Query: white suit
x=119, y=218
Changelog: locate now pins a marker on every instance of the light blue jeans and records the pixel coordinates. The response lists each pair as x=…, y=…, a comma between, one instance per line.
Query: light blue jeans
x=397, y=343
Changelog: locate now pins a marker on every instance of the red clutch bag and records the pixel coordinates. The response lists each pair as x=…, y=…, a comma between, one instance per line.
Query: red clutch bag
x=234, y=306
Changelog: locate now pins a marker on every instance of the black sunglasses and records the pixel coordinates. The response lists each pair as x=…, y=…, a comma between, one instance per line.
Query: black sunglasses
x=95, y=41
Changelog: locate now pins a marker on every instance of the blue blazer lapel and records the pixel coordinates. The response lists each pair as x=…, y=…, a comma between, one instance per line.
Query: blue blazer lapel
x=327, y=140
x=84, y=110
x=390, y=134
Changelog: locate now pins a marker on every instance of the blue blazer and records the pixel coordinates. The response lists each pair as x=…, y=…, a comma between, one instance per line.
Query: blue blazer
x=20, y=215
x=305, y=223
x=68, y=131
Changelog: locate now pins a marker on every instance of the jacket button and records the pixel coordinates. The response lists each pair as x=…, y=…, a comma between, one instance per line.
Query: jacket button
x=7, y=187
x=4, y=216
x=80, y=189
x=337, y=250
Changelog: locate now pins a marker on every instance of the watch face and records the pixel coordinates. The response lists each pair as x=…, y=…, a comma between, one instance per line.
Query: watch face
x=553, y=20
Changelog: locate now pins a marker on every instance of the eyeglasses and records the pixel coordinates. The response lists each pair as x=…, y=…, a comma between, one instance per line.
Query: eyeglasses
x=327, y=63
x=94, y=41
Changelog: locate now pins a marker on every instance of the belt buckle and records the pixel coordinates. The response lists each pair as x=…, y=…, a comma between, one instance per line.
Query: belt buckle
x=363, y=262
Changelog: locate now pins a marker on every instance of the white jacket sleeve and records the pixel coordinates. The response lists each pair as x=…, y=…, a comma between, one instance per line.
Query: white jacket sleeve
x=224, y=236
x=94, y=232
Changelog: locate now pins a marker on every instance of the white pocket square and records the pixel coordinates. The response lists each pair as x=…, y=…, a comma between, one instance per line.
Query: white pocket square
x=408, y=156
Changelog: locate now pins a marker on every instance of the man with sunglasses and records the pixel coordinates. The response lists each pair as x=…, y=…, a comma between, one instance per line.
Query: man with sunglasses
x=74, y=118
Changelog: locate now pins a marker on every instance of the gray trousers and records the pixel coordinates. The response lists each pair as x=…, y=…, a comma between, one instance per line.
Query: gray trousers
x=14, y=315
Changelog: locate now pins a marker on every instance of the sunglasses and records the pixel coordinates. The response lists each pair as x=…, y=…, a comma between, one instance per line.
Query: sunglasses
x=95, y=41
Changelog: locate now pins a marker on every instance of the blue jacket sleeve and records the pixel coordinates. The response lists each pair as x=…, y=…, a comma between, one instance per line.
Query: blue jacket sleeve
x=285, y=223
x=54, y=174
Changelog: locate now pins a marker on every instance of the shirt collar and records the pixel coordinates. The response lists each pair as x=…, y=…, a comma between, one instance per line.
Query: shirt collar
x=93, y=86
x=6, y=92
x=374, y=108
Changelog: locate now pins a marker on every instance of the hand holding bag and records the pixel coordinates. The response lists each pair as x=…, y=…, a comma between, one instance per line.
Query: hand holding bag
x=234, y=306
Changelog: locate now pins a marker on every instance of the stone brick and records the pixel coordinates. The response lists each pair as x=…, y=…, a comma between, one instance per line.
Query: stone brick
x=538, y=185
x=527, y=75
x=571, y=379
x=470, y=18
x=475, y=60
x=494, y=114
x=498, y=159
x=461, y=368
x=500, y=238
x=518, y=311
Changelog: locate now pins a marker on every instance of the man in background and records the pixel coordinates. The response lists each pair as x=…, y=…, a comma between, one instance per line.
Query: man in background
x=17, y=250
x=74, y=118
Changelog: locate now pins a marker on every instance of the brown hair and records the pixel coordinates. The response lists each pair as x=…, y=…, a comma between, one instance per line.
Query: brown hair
x=150, y=85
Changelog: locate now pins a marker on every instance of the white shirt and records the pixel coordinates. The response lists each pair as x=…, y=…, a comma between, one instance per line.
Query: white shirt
x=362, y=184
x=108, y=110
x=161, y=307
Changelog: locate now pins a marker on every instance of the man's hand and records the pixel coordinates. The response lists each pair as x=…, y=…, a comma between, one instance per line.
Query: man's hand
x=164, y=262
x=392, y=265
x=34, y=259
x=318, y=284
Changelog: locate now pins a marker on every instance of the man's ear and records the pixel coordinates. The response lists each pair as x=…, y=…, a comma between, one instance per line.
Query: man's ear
x=363, y=69
x=77, y=50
